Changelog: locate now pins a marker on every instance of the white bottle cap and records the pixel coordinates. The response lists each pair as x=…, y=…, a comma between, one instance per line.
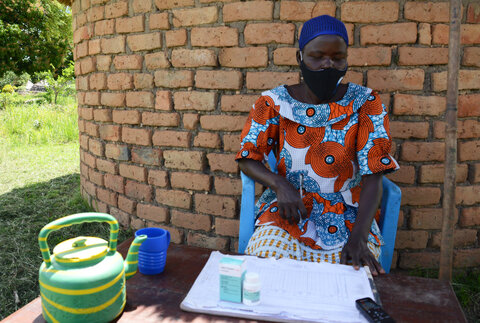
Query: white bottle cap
x=252, y=278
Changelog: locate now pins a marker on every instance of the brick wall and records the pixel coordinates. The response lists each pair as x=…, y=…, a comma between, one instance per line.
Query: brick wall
x=165, y=86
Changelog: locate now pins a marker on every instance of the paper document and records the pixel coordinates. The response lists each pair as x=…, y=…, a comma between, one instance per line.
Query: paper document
x=291, y=290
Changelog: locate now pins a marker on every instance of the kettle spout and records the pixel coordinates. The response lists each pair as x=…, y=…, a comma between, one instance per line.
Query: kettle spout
x=131, y=262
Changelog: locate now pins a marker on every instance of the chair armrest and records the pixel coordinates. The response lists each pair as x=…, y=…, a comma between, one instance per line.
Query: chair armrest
x=247, y=212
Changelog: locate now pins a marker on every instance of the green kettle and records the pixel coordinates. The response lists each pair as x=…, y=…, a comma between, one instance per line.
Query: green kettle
x=84, y=279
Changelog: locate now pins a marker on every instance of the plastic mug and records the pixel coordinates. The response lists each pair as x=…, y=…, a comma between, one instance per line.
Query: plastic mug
x=152, y=254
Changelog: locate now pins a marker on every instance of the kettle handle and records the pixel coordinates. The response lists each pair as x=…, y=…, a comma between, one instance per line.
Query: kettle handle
x=77, y=219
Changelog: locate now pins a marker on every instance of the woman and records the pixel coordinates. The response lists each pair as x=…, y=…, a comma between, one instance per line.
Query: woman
x=330, y=140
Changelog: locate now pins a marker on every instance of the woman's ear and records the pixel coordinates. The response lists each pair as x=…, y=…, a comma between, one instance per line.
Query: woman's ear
x=299, y=56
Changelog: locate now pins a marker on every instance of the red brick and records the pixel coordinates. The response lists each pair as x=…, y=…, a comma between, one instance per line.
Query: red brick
x=237, y=103
x=163, y=100
x=174, y=79
x=425, y=34
x=204, y=241
x=190, y=181
x=137, y=136
x=476, y=173
x=469, y=105
x=171, y=138
x=195, y=16
x=268, y=80
x=106, y=166
x=427, y=11
x=159, y=21
x=354, y=77
x=176, y=235
x=103, y=62
x=473, y=13
x=222, y=162
x=400, y=33
x=143, y=81
x=90, y=188
x=81, y=50
x=169, y=4
x=471, y=56
x=218, y=79
x=110, y=132
x=160, y=119
x=174, y=198
x=82, y=33
x=82, y=84
x=103, y=115
x=138, y=191
x=406, y=174
x=120, y=81
x=470, y=217
x=128, y=62
x=117, y=9
x=126, y=116
x=87, y=65
x=175, y=38
x=302, y=11
x=214, y=37
x=126, y=205
x=207, y=140
x=423, y=151
x=89, y=160
x=130, y=25
x=136, y=223
x=436, y=173
x=461, y=238
x=228, y=186
x=118, y=152
x=95, y=177
x=405, y=104
x=141, y=6
x=158, y=178
x=86, y=113
x=252, y=10
x=156, y=60
x=469, y=34
x=113, y=45
x=467, y=80
x=104, y=27
x=137, y=173
x=231, y=142
x=396, y=80
x=227, y=227
x=144, y=41
x=114, y=182
x=406, y=130
x=95, y=147
x=411, y=239
x=141, y=99
x=413, y=260
x=370, y=56
x=370, y=12
x=80, y=97
x=91, y=129
x=107, y=196
x=215, y=205
x=244, y=57
x=222, y=122
x=422, y=56
x=428, y=218
x=146, y=155
x=466, y=258
x=152, y=212
x=468, y=150
x=467, y=195
x=465, y=129
x=285, y=56
x=420, y=195
x=84, y=142
x=113, y=99
x=191, y=220
x=193, y=160
x=194, y=100
x=193, y=57
x=190, y=120
x=265, y=33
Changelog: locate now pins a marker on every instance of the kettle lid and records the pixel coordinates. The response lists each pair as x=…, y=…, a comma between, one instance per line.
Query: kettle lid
x=80, y=250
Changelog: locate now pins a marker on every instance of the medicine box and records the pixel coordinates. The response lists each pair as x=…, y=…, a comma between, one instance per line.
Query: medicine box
x=232, y=272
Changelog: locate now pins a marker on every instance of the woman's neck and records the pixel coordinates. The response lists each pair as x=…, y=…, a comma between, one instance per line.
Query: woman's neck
x=302, y=93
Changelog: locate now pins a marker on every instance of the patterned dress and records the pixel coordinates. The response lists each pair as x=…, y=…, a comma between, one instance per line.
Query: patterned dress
x=330, y=146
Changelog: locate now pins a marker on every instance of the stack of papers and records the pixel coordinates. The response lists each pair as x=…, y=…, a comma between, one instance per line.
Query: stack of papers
x=290, y=291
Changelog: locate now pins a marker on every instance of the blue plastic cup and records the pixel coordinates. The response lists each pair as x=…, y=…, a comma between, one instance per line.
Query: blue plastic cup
x=152, y=254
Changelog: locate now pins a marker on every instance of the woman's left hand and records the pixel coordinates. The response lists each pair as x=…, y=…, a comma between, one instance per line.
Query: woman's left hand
x=358, y=253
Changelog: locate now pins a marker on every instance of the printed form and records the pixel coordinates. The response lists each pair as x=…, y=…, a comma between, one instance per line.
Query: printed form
x=290, y=291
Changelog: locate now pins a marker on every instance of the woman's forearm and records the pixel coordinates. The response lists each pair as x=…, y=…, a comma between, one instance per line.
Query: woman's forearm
x=259, y=173
x=370, y=198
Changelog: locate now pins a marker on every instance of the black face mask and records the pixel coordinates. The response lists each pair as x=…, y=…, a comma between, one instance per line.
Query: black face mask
x=322, y=83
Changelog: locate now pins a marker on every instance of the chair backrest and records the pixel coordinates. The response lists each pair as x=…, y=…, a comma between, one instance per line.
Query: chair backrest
x=390, y=209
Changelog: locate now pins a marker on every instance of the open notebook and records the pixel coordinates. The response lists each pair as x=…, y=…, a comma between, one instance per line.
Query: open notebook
x=291, y=291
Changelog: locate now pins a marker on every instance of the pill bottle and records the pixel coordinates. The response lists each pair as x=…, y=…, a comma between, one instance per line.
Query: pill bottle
x=251, y=289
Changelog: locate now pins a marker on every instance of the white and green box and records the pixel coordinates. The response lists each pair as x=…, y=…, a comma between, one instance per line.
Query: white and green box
x=232, y=272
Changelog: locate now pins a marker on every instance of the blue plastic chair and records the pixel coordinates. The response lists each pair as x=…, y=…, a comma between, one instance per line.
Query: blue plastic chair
x=390, y=206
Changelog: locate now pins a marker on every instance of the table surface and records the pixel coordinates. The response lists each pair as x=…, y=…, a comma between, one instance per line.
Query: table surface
x=157, y=298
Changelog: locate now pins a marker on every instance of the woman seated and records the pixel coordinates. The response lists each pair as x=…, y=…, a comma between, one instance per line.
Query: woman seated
x=332, y=144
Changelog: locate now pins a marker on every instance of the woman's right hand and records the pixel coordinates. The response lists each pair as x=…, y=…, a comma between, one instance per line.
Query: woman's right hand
x=289, y=202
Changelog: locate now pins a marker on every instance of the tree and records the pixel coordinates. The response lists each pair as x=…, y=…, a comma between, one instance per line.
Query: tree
x=34, y=34
x=62, y=84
